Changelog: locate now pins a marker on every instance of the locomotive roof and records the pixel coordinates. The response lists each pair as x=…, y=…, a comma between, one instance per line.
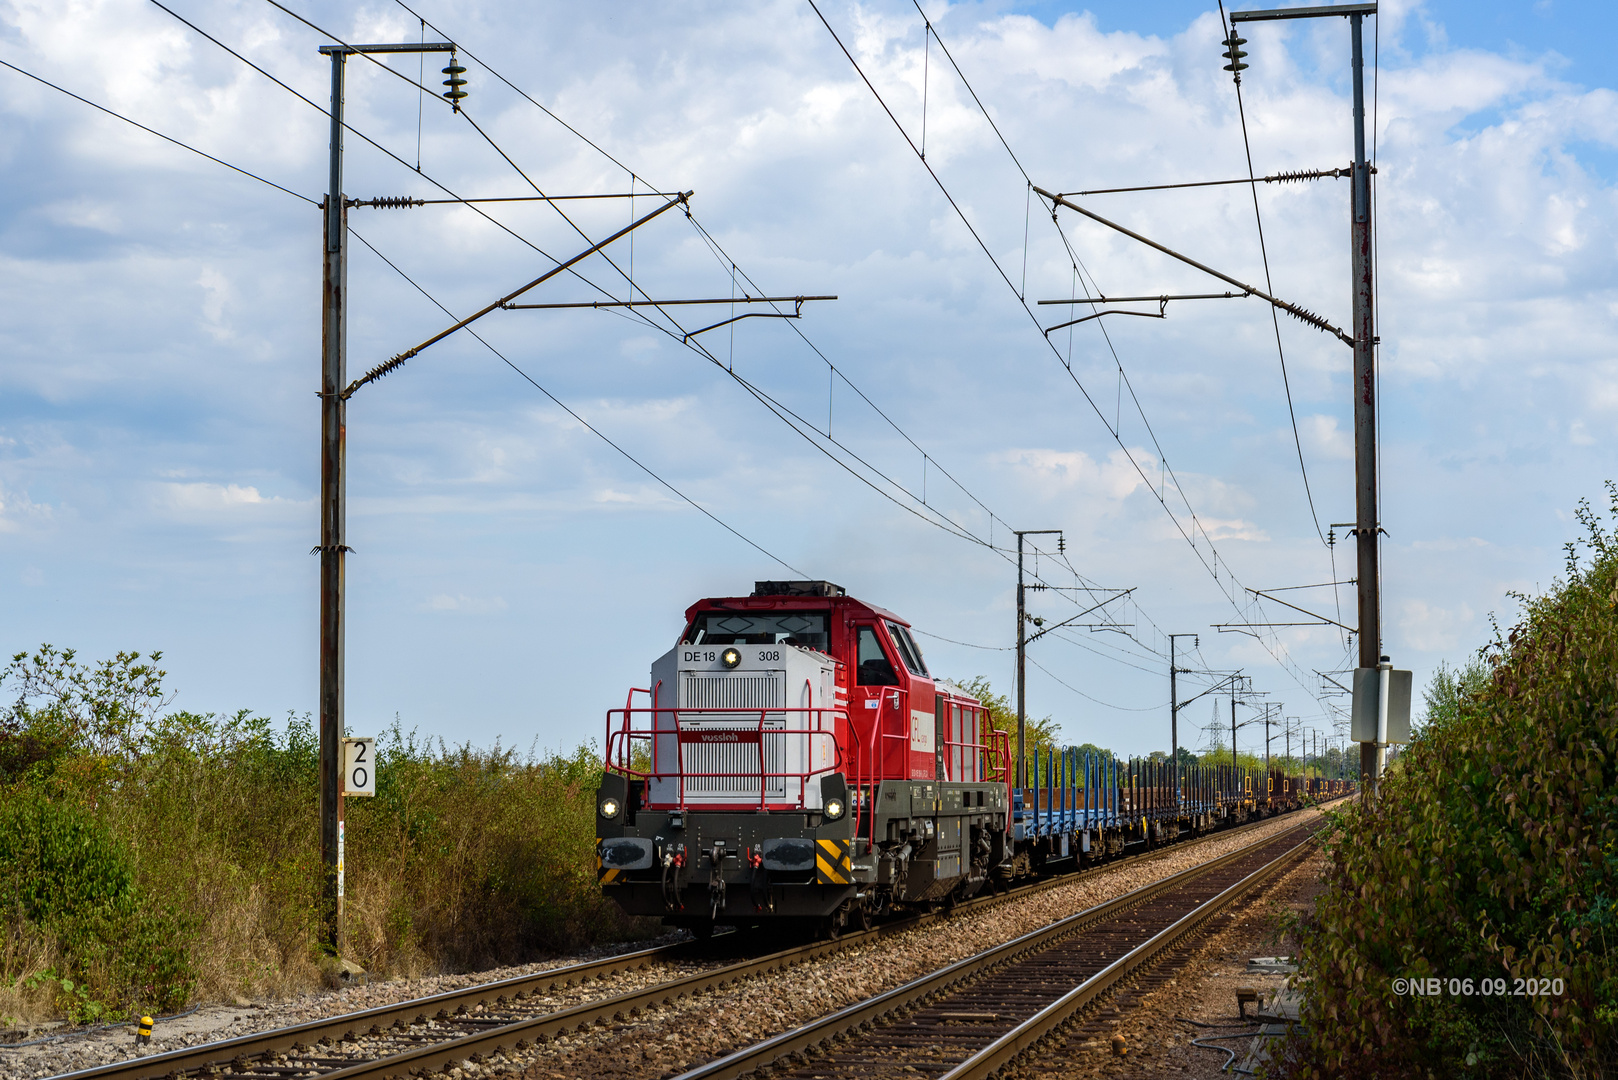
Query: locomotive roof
x=792, y=603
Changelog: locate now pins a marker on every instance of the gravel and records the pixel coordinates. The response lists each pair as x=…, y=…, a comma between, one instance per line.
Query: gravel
x=1203, y=989
x=692, y=1031
x=70, y=1051
x=670, y=1038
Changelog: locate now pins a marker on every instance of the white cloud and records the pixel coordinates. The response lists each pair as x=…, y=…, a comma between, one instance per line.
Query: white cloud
x=1232, y=529
x=84, y=214
x=17, y=511
x=642, y=497
x=1114, y=479
x=639, y=346
x=1450, y=543
x=1433, y=628
x=206, y=499
x=1323, y=435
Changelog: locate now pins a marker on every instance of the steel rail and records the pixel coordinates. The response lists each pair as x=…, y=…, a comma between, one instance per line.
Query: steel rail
x=194, y=1058
x=453, y=1005
x=763, y=1054
x=449, y=1005
x=1025, y=1035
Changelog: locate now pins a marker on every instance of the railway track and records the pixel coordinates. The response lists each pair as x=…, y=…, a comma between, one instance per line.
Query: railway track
x=972, y=1018
x=417, y=1037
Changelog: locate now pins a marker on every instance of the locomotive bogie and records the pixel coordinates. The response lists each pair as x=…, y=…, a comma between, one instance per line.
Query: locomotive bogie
x=937, y=840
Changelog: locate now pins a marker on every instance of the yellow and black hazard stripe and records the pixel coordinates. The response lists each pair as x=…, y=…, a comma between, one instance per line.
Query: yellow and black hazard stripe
x=832, y=864
x=603, y=875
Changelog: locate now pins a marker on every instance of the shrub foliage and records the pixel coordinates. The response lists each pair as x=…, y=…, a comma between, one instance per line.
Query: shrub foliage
x=1491, y=854
x=149, y=857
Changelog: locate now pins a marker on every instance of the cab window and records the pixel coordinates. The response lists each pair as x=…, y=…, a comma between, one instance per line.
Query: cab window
x=908, y=652
x=806, y=628
x=875, y=669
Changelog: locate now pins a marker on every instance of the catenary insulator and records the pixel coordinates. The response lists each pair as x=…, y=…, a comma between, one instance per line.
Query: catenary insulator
x=454, y=94
x=1234, y=53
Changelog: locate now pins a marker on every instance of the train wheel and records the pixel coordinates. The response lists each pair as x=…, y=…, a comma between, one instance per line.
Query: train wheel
x=702, y=931
x=833, y=925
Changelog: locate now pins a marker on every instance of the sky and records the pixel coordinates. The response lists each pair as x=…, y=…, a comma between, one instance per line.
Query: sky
x=524, y=509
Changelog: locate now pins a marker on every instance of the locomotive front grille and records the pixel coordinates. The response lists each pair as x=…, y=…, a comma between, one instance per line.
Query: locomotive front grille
x=744, y=690
x=736, y=764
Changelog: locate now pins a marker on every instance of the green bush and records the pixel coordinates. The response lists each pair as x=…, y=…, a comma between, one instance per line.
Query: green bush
x=66, y=874
x=158, y=857
x=1491, y=853
x=502, y=846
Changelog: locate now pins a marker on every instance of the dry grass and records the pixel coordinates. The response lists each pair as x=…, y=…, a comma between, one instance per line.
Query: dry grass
x=206, y=827
x=27, y=954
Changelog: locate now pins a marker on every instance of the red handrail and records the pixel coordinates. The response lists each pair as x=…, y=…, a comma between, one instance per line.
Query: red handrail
x=863, y=761
x=624, y=734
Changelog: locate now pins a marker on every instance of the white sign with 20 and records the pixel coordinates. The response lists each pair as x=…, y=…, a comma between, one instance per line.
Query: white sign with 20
x=359, y=766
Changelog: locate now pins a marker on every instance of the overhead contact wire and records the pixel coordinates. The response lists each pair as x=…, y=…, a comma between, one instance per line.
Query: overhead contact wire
x=159, y=134
x=840, y=374
x=1098, y=701
x=836, y=371
x=768, y=400
x=764, y=397
x=776, y=407
x=1107, y=337
x=572, y=271
x=582, y=421
x=1231, y=595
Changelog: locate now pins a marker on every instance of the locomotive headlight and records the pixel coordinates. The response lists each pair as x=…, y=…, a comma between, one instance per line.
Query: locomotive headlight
x=730, y=657
x=609, y=808
x=834, y=809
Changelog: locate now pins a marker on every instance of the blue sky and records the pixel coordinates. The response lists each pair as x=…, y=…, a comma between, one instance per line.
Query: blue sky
x=513, y=574
x=1580, y=34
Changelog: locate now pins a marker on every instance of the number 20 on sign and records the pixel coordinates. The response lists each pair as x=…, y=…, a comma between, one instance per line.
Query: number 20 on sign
x=359, y=766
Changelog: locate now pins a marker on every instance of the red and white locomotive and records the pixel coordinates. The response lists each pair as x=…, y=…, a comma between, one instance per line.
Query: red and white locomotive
x=793, y=757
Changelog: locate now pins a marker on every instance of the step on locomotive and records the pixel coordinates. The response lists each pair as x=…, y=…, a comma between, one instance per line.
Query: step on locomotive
x=792, y=758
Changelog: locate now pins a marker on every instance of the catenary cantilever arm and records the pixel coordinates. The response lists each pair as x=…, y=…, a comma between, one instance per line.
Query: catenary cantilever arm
x=1306, y=611
x=1294, y=310
x=1035, y=637
x=384, y=368
x=750, y=315
x=1074, y=322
